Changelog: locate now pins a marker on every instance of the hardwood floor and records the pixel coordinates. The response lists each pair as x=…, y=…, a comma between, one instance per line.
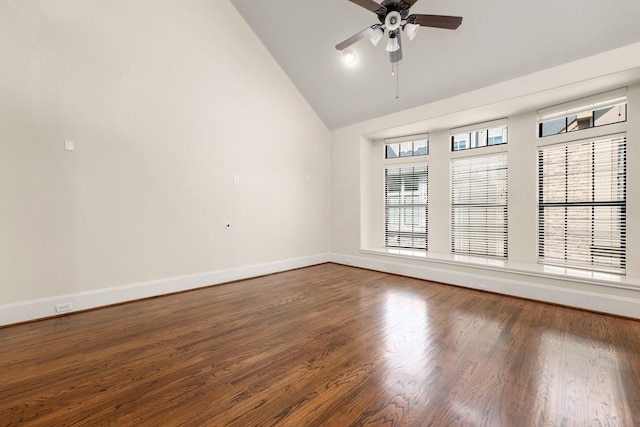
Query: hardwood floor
x=327, y=345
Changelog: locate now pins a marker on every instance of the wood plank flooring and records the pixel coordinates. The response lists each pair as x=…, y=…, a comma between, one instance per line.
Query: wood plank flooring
x=327, y=345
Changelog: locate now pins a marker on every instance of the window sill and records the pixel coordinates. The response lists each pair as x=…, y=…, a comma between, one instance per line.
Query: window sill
x=529, y=269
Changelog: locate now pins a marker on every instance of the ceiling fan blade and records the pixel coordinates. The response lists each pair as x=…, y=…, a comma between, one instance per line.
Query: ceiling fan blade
x=406, y=4
x=436, y=21
x=370, y=5
x=354, y=38
x=397, y=55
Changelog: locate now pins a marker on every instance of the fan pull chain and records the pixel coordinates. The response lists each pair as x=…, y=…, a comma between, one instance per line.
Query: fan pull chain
x=397, y=74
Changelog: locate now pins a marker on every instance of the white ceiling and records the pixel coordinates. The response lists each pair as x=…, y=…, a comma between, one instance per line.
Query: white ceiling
x=498, y=40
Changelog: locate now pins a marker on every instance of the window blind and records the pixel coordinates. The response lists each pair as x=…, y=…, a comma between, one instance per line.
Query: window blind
x=479, y=205
x=406, y=207
x=582, y=190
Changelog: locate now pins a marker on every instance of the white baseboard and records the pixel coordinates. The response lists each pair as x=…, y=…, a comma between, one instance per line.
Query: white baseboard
x=594, y=301
x=41, y=308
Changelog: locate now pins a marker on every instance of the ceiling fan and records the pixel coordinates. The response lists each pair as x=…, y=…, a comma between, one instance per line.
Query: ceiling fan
x=394, y=19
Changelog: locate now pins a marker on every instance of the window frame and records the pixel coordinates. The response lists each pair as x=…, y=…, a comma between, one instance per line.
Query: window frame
x=403, y=141
x=588, y=107
x=472, y=133
x=576, y=117
x=407, y=209
x=399, y=163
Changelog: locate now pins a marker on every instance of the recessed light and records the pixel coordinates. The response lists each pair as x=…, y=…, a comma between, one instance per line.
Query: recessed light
x=349, y=57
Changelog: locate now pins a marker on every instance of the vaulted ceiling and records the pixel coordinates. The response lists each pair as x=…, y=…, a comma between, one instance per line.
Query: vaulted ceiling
x=498, y=40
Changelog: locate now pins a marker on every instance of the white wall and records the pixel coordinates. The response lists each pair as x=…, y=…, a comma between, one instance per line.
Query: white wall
x=166, y=101
x=357, y=191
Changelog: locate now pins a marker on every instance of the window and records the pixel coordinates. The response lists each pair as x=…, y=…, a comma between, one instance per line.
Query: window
x=406, y=207
x=419, y=147
x=586, y=113
x=583, y=120
x=582, y=204
x=476, y=138
x=479, y=205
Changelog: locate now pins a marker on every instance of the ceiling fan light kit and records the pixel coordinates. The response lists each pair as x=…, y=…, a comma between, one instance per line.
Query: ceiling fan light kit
x=392, y=44
x=394, y=18
x=376, y=35
x=411, y=30
x=392, y=21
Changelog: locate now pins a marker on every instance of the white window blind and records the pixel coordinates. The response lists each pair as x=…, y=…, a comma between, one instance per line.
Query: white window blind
x=582, y=190
x=479, y=205
x=406, y=207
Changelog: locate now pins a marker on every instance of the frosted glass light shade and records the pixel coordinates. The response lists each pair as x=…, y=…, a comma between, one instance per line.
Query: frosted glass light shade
x=392, y=44
x=375, y=36
x=411, y=30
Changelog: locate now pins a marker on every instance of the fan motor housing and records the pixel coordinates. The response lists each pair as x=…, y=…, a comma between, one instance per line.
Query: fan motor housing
x=392, y=6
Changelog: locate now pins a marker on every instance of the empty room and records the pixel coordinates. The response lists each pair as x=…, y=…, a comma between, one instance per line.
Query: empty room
x=319, y=213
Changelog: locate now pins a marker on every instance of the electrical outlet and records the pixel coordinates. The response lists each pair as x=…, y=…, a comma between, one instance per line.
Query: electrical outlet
x=65, y=306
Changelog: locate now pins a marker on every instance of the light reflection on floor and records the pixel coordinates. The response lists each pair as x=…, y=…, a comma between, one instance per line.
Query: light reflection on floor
x=406, y=335
x=581, y=388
